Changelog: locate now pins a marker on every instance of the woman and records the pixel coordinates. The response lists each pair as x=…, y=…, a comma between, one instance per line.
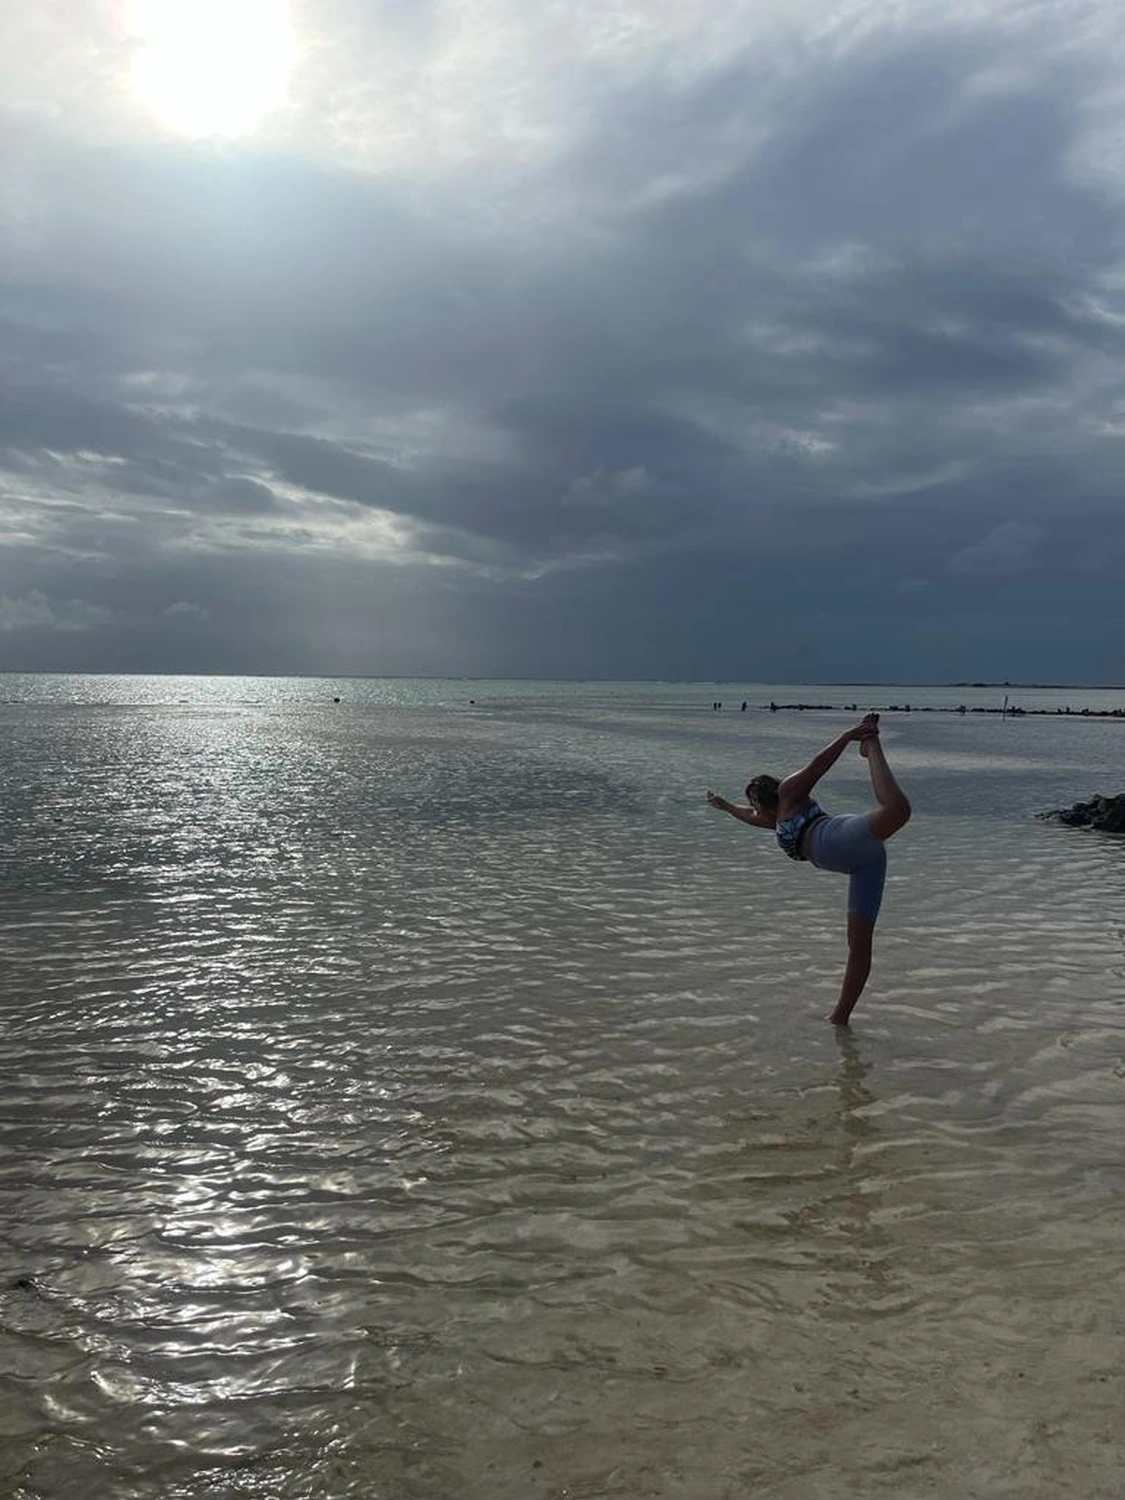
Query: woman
x=852, y=845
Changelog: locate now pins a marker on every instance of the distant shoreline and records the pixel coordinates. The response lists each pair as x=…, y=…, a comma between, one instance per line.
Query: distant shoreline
x=329, y=676
x=1021, y=687
x=1008, y=711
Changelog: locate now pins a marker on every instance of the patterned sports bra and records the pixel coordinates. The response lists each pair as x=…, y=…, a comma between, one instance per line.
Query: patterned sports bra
x=790, y=830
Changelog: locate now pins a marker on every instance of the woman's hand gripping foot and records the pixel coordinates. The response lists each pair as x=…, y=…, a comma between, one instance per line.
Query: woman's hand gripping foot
x=867, y=729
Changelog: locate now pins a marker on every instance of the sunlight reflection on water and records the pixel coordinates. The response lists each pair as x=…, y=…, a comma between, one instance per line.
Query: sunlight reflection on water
x=437, y=1103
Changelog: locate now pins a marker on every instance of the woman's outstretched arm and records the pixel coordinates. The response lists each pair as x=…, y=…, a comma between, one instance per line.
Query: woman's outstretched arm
x=739, y=810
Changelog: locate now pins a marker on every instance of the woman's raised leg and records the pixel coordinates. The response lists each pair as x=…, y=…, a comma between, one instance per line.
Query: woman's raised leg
x=894, y=808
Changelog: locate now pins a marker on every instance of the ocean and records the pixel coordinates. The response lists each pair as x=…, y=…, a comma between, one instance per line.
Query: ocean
x=414, y=1091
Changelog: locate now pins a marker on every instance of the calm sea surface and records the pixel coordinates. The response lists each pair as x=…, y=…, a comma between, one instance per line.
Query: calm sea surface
x=426, y=1096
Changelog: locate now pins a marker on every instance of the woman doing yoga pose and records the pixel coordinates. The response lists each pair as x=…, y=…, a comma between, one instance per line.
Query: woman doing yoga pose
x=852, y=845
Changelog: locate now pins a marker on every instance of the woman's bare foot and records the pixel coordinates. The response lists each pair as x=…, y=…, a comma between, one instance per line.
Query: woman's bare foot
x=836, y=1018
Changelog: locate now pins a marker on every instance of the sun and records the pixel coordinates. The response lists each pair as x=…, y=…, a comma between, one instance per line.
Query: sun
x=211, y=67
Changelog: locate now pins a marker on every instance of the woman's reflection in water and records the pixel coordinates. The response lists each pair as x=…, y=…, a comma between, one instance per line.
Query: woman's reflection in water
x=862, y=1260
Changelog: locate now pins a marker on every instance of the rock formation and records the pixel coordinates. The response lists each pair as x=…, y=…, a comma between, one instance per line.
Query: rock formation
x=1104, y=813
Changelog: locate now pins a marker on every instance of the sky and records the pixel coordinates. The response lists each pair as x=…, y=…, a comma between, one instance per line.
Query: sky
x=777, y=340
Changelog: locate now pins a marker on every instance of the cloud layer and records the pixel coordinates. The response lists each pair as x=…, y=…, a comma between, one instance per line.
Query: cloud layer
x=614, y=340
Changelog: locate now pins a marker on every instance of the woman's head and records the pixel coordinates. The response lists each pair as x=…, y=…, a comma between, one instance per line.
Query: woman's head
x=762, y=791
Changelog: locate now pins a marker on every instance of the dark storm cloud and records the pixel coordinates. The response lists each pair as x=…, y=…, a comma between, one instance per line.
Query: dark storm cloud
x=766, y=345
x=327, y=468
x=57, y=419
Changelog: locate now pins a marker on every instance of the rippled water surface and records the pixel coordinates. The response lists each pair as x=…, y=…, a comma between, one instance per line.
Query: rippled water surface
x=427, y=1095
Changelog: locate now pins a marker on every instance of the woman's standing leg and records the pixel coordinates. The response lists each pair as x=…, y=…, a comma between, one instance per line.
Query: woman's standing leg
x=861, y=930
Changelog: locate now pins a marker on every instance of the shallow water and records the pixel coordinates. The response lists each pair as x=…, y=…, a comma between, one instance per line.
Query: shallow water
x=412, y=1097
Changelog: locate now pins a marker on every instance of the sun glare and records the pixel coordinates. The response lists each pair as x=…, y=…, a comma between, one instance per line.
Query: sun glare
x=211, y=67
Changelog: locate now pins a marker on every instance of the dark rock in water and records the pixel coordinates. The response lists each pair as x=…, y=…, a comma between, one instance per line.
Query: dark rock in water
x=1107, y=814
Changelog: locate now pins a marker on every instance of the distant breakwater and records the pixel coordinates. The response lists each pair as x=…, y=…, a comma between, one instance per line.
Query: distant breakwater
x=1006, y=711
